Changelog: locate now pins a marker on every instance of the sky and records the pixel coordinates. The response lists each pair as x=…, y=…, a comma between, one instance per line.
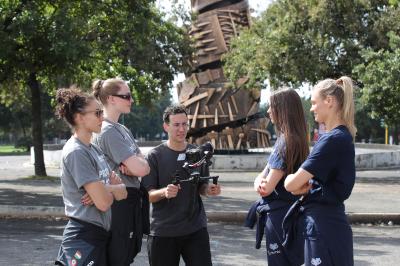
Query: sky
x=257, y=6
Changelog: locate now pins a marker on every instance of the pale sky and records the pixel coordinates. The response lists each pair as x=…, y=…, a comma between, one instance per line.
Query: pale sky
x=258, y=6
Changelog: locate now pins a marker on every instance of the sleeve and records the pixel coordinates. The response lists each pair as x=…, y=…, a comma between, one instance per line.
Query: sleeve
x=276, y=159
x=150, y=181
x=115, y=147
x=322, y=159
x=82, y=168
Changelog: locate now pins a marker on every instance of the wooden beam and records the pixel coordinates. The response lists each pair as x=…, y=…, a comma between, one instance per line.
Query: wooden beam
x=195, y=99
x=195, y=115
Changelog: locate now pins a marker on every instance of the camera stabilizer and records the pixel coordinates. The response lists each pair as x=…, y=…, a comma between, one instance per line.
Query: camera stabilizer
x=197, y=162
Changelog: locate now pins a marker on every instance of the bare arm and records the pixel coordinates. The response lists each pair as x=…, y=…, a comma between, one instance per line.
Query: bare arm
x=268, y=184
x=101, y=197
x=137, y=165
x=167, y=192
x=297, y=181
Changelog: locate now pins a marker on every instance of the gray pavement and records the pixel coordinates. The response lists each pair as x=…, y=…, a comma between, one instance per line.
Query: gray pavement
x=35, y=242
x=376, y=193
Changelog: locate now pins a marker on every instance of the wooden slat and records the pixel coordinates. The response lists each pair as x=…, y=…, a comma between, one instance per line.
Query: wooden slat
x=195, y=115
x=195, y=99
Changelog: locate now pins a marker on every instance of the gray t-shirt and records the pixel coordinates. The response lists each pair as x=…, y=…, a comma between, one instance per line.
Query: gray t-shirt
x=80, y=165
x=118, y=144
x=169, y=217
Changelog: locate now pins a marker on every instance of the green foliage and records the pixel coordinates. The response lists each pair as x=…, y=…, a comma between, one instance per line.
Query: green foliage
x=301, y=41
x=380, y=77
x=65, y=42
x=146, y=121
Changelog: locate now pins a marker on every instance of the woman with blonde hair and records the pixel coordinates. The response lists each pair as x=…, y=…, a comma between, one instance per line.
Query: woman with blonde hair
x=124, y=157
x=328, y=235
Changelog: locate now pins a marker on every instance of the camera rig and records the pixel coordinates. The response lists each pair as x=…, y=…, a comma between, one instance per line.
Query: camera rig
x=196, y=163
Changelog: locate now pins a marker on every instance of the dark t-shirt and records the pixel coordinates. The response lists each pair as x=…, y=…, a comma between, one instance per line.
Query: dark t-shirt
x=331, y=162
x=276, y=160
x=169, y=217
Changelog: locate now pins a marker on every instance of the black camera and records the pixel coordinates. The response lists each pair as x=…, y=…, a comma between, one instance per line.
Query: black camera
x=196, y=165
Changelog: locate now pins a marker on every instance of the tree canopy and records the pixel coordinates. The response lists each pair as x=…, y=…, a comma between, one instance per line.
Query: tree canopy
x=298, y=42
x=51, y=44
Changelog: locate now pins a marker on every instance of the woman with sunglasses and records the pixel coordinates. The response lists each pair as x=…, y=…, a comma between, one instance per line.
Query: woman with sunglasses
x=124, y=157
x=290, y=150
x=85, y=174
x=328, y=235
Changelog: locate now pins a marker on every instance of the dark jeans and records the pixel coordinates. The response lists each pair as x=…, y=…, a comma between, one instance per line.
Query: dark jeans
x=194, y=248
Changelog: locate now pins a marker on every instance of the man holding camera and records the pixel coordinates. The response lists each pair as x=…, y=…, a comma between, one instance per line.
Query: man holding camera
x=178, y=220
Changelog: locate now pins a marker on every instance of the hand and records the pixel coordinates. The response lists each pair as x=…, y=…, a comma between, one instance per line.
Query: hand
x=262, y=188
x=257, y=183
x=120, y=192
x=213, y=190
x=115, y=179
x=86, y=200
x=124, y=170
x=171, y=191
x=303, y=190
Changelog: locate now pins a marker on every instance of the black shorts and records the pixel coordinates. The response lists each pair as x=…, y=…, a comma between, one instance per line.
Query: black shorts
x=83, y=244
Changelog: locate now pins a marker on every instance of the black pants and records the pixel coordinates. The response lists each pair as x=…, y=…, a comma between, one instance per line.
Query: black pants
x=126, y=229
x=194, y=248
x=83, y=244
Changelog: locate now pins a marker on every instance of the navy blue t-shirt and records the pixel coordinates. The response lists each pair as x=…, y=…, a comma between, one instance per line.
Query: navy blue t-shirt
x=276, y=160
x=331, y=162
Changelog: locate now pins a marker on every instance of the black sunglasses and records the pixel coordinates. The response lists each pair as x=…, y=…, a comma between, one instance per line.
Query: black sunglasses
x=123, y=96
x=97, y=112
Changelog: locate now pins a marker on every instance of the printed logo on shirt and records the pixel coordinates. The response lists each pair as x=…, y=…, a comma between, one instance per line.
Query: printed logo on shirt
x=316, y=261
x=273, y=249
x=104, y=173
x=78, y=255
x=90, y=263
x=73, y=262
x=101, y=158
x=181, y=157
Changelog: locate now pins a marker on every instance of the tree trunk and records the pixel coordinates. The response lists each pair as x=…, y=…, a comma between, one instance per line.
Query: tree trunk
x=37, y=138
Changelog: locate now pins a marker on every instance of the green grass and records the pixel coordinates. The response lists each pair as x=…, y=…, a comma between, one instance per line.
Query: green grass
x=11, y=150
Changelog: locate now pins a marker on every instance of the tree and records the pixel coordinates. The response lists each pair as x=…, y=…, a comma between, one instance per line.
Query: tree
x=298, y=42
x=146, y=121
x=380, y=77
x=49, y=44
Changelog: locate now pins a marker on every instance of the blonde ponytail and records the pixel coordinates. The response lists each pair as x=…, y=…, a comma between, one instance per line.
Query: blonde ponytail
x=348, y=104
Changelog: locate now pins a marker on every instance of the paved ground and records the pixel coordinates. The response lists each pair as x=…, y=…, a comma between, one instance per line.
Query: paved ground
x=374, y=192
x=35, y=242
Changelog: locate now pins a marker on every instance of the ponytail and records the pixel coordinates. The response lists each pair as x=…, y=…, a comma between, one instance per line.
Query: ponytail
x=104, y=88
x=348, y=104
x=342, y=90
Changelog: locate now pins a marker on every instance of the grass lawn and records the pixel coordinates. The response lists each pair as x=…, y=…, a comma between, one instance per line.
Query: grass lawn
x=11, y=150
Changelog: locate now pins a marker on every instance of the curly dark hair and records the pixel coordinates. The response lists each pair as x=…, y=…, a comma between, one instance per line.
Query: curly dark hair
x=71, y=101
